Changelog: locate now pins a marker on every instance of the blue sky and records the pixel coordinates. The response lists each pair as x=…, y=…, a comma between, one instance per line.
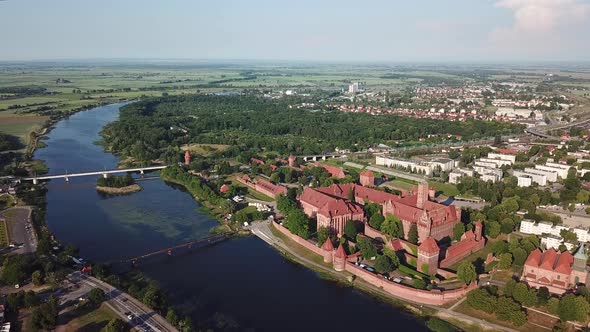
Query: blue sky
x=339, y=30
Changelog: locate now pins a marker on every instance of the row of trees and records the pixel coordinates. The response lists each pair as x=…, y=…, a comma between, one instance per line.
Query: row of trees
x=115, y=181
x=252, y=123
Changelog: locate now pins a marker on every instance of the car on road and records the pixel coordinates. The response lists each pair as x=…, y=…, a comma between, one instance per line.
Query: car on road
x=130, y=316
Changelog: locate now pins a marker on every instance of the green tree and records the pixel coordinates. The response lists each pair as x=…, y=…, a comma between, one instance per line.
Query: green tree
x=466, y=272
x=509, y=310
x=392, y=256
x=115, y=325
x=543, y=296
x=568, y=236
x=413, y=234
x=458, y=231
x=492, y=229
x=573, y=308
x=367, y=247
x=523, y=295
x=439, y=325
x=480, y=299
x=96, y=296
x=519, y=255
x=37, y=278
x=383, y=264
x=172, y=317
x=350, y=229
x=505, y=261
x=298, y=223
x=323, y=235
x=376, y=221
x=392, y=226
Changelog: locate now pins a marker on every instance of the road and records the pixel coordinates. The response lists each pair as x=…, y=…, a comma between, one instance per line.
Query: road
x=20, y=229
x=262, y=230
x=122, y=304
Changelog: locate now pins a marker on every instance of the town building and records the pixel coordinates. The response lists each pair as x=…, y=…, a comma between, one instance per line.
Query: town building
x=471, y=241
x=187, y=158
x=456, y=175
x=353, y=87
x=524, y=180
x=431, y=218
x=263, y=186
x=367, y=178
x=561, y=173
x=335, y=172
x=541, y=228
x=330, y=211
x=428, y=254
x=405, y=164
x=509, y=157
x=540, y=179
x=559, y=272
x=551, y=176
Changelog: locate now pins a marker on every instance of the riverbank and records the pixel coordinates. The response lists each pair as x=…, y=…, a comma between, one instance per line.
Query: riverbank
x=301, y=255
x=206, y=207
x=119, y=191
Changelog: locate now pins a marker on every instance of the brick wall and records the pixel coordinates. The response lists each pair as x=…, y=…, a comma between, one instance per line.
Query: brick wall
x=307, y=244
x=433, y=297
x=478, y=245
x=373, y=233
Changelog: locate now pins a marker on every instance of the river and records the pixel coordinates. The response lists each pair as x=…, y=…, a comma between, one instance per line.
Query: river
x=241, y=284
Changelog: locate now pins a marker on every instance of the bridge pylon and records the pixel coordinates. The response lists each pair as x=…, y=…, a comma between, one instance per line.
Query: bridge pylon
x=169, y=252
x=105, y=175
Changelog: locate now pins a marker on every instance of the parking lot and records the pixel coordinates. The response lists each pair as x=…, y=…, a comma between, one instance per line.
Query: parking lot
x=21, y=234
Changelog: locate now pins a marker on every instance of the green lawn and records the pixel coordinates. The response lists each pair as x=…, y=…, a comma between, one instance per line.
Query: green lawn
x=92, y=321
x=401, y=184
x=3, y=233
x=447, y=189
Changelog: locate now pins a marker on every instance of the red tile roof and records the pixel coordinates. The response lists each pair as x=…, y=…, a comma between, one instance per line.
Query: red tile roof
x=551, y=260
x=367, y=173
x=328, y=246
x=336, y=172
x=429, y=246
x=340, y=253
x=363, y=193
x=224, y=188
x=258, y=161
x=534, y=258
x=339, y=207
x=548, y=259
x=460, y=247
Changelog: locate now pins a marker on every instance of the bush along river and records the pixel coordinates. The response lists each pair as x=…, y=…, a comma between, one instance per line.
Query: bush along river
x=241, y=284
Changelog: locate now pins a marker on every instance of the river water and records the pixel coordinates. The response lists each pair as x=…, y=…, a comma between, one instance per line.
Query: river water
x=241, y=284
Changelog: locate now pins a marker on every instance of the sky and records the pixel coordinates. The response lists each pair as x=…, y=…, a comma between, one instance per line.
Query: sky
x=302, y=30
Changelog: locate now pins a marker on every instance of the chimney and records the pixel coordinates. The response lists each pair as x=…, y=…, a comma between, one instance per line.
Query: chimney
x=422, y=195
x=478, y=227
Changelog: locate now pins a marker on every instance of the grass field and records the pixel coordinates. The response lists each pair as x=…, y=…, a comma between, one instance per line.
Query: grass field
x=447, y=189
x=92, y=321
x=401, y=184
x=3, y=233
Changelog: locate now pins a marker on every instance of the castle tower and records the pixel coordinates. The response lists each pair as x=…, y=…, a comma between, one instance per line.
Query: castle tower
x=428, y=253
x=328, y=249
x=422, y=195
x=580, y=258
x=187, y=158
x=367, y=178
x=339, y=259
x=291, y=161
x=477, y=231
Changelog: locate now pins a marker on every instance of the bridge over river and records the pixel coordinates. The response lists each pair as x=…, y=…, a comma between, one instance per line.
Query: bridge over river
x=104, y=173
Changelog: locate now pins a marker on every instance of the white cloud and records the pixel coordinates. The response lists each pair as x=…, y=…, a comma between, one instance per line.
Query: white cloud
x=543, y=25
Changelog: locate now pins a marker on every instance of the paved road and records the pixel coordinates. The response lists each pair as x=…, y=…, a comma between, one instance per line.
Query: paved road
x=262, y=230
x=122, y=303
x=20, y=229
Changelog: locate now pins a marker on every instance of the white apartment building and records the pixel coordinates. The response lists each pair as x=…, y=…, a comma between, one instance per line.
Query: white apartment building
x=531, y=227
x=539, y=179
x=561, y=173
x=406, y=164
x=498, y=162
x=444, y=164
x=456, y=175
x=554, y=242
x=508, y=157
x=353, y=88
x=524, y=180
x=491, y=176
x=550, y=175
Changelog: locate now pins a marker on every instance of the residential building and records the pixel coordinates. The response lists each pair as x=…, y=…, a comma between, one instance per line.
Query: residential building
x=541, y=228
x=353, y=88
x=336, y=172
x=367, y=178
x=550, y=175
x=524, y=180
x=540, y=179
x=559, y=272
x=511, y=158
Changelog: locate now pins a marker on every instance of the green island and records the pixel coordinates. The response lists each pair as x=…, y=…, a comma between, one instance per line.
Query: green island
x=117, y=185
